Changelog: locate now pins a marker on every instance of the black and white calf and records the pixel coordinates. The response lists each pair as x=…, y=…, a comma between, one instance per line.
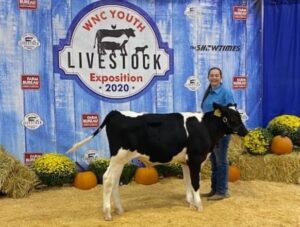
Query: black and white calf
x=160, y=138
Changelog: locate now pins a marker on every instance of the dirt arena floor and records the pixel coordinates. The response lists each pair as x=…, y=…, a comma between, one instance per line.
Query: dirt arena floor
x=252, y=203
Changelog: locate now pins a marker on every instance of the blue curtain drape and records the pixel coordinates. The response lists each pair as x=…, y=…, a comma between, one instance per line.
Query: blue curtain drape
x=281, y=58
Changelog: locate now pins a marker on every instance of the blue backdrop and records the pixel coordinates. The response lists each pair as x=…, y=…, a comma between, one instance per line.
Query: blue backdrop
x=281, y=58
x=201, y=34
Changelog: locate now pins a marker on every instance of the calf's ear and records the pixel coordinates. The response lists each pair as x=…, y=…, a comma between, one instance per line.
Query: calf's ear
x=217, y=112
x=217, y=109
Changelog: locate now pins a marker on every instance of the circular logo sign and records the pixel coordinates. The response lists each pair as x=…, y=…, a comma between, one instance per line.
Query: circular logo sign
x=32, y=121
x=115, y=50
x=29, y=41
x=192, y=83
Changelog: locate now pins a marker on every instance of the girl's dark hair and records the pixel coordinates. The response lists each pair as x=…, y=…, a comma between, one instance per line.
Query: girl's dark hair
x=209, y=87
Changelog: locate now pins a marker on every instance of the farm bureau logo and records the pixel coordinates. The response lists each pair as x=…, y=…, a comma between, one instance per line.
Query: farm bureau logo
x=114, y=49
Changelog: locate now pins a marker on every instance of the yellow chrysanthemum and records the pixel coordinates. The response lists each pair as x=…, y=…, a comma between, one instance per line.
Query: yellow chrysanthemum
x=257, y=141
x=54, y=168
x=287, y=125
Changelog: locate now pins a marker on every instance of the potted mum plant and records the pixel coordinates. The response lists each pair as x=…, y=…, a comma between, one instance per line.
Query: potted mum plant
x=54, y=169
x=258, y=141
x=288, y=125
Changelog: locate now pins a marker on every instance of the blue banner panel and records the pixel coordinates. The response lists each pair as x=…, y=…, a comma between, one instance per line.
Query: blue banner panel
x=281, y=59
x=65, y=64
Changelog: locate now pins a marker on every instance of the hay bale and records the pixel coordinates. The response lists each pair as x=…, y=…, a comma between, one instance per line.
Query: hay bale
x=235, y=148
x=7, y=164
x=16, y=179
x=206, y=170
x=271, y=167
x=21, y=182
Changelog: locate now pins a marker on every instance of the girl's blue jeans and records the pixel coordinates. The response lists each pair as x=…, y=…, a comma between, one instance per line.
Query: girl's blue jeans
x=219, y=163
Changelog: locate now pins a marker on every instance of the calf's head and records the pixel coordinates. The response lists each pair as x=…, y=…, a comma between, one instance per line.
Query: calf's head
x=231, y=119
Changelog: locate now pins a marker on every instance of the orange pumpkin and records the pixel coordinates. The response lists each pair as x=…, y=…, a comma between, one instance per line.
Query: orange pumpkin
x=281, y=145
x=85, y=180
x=234, y=173
x=146, y=175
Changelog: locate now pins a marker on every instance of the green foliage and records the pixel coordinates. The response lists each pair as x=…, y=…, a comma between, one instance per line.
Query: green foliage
x=285, y=125
x=258, y=141
x=128, y=173
x=54, y=169
x=170, y=169
x=99, y=166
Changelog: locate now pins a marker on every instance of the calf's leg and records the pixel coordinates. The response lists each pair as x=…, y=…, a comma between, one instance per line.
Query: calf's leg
x=188, y=185
x=110, y=186
x=116, y=195
x=111, y=180
x=194, y=164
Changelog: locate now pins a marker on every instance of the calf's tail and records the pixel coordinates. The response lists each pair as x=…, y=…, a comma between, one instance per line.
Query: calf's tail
x=87, y=139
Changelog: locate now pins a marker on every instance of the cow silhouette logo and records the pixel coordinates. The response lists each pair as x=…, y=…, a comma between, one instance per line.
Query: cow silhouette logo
x=103, y=45
x=114, y=50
